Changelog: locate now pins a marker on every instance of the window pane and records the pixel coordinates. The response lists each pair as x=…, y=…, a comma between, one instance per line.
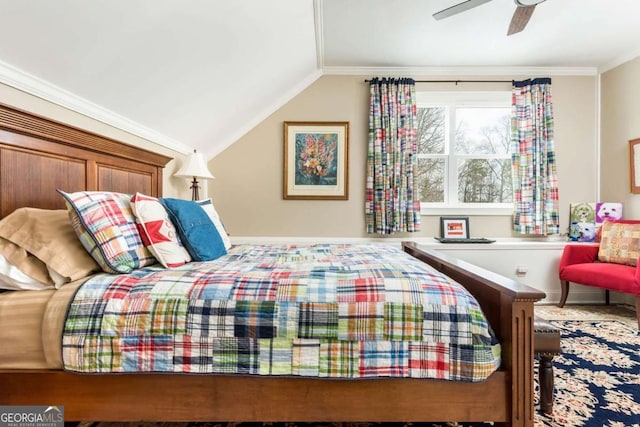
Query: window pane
x=430, y=180
x=483, y=130
x=484, y=181
x=431, y=130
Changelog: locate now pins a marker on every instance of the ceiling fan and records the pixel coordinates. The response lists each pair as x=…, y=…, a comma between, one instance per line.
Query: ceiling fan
x=520, y=18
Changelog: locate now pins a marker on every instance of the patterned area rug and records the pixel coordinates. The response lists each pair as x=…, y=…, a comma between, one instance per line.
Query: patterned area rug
x=597, y=376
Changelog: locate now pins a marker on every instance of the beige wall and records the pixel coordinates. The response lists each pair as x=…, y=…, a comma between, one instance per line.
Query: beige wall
x=620, y=122
x=249, y=174
x=173, y=187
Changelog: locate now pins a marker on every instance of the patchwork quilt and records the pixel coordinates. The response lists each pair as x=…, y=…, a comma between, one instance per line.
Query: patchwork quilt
x=333, y=311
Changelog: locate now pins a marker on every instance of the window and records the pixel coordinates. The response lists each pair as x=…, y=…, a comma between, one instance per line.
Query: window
x=464, y=151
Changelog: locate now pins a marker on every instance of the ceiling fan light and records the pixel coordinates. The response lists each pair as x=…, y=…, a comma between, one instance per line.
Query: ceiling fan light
x=527, y=3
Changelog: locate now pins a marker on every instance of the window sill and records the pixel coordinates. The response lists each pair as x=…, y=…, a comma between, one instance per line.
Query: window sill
x=501, y=244
x=462, y=210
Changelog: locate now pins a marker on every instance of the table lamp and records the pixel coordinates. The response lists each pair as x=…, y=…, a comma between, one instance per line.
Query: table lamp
x=194, y=167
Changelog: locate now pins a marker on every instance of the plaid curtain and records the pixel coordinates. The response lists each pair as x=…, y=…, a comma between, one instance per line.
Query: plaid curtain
x=535, y=182
x=391, y=157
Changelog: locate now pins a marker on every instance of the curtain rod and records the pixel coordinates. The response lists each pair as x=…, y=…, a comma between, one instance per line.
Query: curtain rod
x=458, y=81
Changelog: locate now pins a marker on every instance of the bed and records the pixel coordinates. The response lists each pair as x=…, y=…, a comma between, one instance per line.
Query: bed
x=38, y=156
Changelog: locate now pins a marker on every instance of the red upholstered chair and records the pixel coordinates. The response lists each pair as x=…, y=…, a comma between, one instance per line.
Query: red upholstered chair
x=579, y=264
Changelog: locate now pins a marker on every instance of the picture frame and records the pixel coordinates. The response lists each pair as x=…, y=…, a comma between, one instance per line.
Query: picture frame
x=316, y=161
x=583, y=221
x=454, y=227
x=634, y=165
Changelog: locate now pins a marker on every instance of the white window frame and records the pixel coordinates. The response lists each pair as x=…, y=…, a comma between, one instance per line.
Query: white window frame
x=451, y=100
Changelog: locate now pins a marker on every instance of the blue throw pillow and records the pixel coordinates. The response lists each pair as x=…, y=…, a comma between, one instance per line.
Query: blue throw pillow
x=197, y=232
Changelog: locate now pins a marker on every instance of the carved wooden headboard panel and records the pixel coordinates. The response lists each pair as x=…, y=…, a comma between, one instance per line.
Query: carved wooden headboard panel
x=39, y=156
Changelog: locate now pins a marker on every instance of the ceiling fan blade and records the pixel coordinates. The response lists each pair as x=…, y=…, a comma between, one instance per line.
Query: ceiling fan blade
x=458, y=8
x=520, y=19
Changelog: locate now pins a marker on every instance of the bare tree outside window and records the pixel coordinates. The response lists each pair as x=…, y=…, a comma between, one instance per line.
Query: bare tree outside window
x=478, y=150
x=431, y=140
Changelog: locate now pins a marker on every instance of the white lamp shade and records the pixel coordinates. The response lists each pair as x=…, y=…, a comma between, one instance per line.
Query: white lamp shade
x=194, y=167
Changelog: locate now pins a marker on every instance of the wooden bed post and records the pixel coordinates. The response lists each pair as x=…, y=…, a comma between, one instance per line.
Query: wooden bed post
x=520, y=361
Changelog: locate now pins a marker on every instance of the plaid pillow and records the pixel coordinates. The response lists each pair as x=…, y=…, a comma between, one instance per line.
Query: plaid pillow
x=106, y=227
x=620, y=243
x=157, y=231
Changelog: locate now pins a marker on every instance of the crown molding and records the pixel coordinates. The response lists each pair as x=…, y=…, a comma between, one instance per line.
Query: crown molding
x=266, y=112
x=619, y=61
x=40, y=88
x=462, y=71
x=319, y=24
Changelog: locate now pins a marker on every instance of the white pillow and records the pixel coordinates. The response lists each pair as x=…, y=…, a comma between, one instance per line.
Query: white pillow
x=207, y=205
x=12, y=278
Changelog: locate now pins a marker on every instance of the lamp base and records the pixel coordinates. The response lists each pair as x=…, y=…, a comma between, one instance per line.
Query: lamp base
x=195, y=194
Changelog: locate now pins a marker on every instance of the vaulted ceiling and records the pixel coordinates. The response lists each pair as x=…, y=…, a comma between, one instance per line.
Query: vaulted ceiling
x=201, y=73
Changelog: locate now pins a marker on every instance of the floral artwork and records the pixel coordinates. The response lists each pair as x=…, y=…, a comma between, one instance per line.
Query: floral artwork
x=316, y=159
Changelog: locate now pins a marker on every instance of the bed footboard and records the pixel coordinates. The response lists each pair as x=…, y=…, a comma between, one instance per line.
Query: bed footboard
x=508, y=305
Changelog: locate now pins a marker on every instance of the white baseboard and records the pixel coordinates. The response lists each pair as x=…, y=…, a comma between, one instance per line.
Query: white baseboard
x=594, y=297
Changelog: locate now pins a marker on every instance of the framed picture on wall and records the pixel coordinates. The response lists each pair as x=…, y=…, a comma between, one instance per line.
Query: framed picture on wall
x=454, y=227
x=634, y=165
x=316, y=160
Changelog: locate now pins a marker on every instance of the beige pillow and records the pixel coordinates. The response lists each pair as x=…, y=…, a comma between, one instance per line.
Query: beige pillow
x=49, y=236
x=619, y=243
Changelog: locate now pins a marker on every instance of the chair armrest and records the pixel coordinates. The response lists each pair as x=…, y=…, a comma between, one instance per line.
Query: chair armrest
x=582, y=253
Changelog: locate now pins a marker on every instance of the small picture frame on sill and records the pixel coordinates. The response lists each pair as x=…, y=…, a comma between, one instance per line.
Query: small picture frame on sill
x=454, y=227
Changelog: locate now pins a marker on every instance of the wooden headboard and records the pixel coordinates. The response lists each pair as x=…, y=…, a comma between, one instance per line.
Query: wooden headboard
x=39, y=156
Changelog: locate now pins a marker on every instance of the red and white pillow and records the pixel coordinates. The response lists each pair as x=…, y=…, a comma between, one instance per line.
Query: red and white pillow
x=158, y=232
